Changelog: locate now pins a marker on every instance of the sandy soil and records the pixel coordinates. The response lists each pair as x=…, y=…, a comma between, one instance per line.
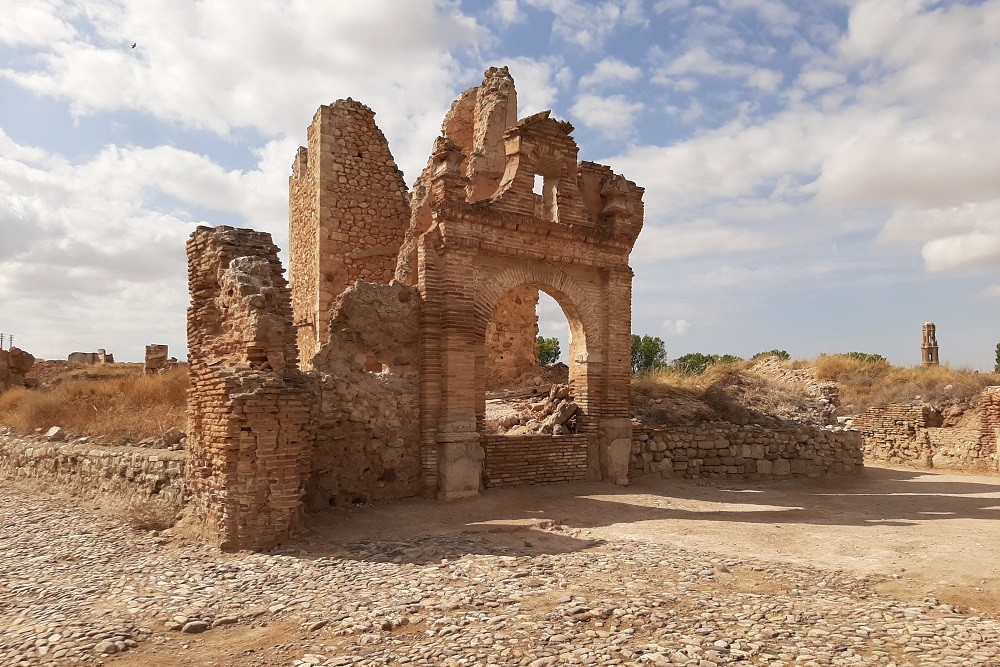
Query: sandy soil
x=929, y=531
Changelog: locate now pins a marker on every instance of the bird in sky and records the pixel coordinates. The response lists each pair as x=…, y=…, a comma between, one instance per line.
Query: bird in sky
x=133, y=44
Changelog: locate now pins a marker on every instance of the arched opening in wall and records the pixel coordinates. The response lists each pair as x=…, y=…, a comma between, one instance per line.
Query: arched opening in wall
x=532, y=373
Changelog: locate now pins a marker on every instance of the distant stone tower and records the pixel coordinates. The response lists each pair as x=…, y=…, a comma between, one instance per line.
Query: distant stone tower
x=929, y=347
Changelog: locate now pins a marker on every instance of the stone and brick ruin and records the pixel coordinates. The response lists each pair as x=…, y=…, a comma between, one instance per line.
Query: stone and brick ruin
x=156, y=359
x=14, y=366
x=919, y=434
x=364, y=378
x=392, y=295
x=929, y=346
x=92, y=358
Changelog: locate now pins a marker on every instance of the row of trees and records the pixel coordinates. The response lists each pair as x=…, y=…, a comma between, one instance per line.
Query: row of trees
x=650, y=353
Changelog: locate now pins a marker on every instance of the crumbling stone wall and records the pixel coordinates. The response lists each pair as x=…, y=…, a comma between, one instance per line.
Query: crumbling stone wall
x=904, y=434
x=92, y=358
x=368, y=440
x=348, y=212
x=511, y=339
x=92, y=472
x=251, y=423
x=156, y=358
x=730, y=451
x=15, y=364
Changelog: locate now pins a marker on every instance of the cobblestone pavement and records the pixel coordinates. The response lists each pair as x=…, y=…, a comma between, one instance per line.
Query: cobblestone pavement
x=77, y=587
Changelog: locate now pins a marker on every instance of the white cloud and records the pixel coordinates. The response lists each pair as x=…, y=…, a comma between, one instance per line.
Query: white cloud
x=613, y=115
x=698, y=61
x=35, y=23
x=658, y=243
x=610, y=72
x=105, y=239
x=676, y=327
x=507, y=12
x=225, y=64
x=978, y=248
x=587, y=24
x=993, y=291
x=538, y=82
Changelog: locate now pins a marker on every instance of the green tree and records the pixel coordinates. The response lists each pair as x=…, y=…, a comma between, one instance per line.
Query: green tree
x=865, y=357
x=695, y=363
x=648, y=353
x=548, y=350
x=996, y=369
x=781, y=354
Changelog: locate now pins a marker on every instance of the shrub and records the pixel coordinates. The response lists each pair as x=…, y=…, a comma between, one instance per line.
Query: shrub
x=695, y=363
x=780, y=354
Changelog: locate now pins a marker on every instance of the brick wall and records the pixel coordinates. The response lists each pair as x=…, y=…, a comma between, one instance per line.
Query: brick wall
x=348, y=212
x=526, y=460
x=911, y=435
x=511, y=350
x=730, y=451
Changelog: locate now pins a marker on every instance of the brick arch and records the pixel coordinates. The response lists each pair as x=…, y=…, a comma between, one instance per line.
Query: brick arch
x=557, y=284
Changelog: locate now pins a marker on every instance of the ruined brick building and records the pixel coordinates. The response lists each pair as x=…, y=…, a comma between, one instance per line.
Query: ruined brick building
x=364, y=377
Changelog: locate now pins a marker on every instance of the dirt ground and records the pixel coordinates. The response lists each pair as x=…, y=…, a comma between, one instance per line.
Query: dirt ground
x=929, y=531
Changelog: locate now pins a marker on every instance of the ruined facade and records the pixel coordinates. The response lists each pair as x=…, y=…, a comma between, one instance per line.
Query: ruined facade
x=393, y=304
x=917, y=435
x=929, y=346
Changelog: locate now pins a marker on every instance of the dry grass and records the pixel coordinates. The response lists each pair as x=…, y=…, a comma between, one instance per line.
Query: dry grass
x=866, y=384
x=729, y=391
x=116, y=403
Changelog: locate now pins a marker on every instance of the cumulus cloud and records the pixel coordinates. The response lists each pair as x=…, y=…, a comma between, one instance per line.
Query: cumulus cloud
x=107, y=236
x=658, y=243
x=612, y=115
x=697, y=60
x=676, y=327
x=610, y=72
x=538, y=82
x=587, y=25
x=220, y=66
x=507, y=12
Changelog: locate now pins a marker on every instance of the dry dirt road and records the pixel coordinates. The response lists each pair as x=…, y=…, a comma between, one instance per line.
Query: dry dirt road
x=895, y=567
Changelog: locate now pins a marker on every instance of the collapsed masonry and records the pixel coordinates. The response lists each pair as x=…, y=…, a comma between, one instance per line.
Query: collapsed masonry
x=93, y=358
x=393, y=304
x=922, y=435
x=14, y=366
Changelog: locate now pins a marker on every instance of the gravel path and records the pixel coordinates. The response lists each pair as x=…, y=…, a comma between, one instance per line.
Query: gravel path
x=77, y=587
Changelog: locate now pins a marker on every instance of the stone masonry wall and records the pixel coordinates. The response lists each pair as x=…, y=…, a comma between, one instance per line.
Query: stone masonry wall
x=730, y=451
x=85, y=470
x=368, y=440
x=251, y=423
x=348, y=213
x=533, y=459
x=911, y=435
x=511, y=348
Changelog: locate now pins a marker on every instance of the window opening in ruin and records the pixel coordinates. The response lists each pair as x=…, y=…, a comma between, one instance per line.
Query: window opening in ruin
x=523, y=396
x=538, y=185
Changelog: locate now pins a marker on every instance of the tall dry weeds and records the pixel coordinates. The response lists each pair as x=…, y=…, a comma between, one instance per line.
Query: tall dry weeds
x=131, y=405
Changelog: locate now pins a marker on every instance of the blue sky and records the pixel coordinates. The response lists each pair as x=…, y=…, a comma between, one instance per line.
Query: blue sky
x=820, y=176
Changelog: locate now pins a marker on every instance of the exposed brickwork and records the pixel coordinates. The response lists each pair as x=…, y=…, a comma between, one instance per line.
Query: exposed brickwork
x=913, y=435
x=533, y=459
x=348, y=212
x=729, y=451
x=250, y=410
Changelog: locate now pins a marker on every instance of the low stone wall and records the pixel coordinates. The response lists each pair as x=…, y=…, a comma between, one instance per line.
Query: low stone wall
x=89, y=471
x=723, y=450
x=522, y=460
